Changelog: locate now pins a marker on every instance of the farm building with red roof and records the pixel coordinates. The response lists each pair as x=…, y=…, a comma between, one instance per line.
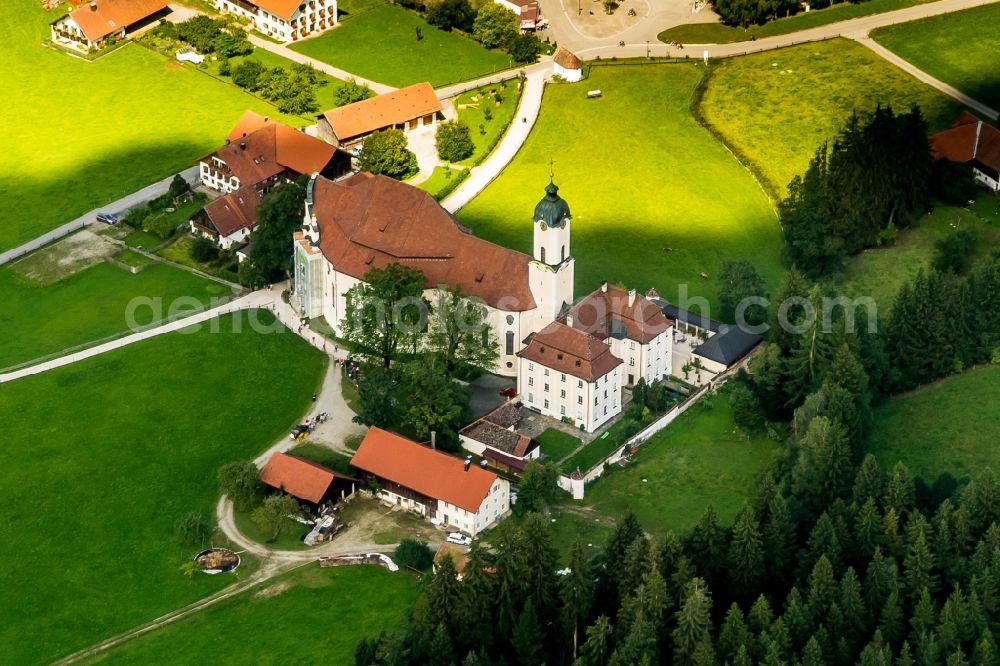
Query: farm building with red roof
x=973, y=142
x=436, y=485
x=305, y=479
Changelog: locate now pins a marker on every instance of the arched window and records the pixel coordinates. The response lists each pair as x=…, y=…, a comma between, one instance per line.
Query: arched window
x=563, y=257
x=510, y=342
x=543, y=255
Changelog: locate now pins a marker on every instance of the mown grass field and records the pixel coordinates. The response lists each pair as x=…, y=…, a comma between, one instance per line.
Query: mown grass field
x=271, y=624
x=90, y=305
x=101, y=457
x=949, y=426
x=880, y=272
x=698, y=460
x=717, y=33
x=778, y=107
x=486, y=134
x=83, y=134
x=651, y=208
x=959, y=48
x=556, y=444
x=378, y=41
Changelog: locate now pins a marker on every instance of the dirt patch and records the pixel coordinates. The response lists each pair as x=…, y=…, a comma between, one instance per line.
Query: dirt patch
x=372, y=522
x=173, y=66
x=66, y=257
x=273, y=590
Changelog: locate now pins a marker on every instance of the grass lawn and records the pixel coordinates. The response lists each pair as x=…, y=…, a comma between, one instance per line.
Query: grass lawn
x=717, y=33
x=441, y=178
x=103, y=456
x=179, y=251
x=557, y=444
x=291, y=539
x=134, y=259
x=880, y=272
x=37, y=320
x=959, y=48
x=378, y=42
x=325, y=91
x=697, y=460
x=266, y=626
x=672, y=185
x=86, y=133
x=948, y=426
x=776, y=108
x=143, y=239
x=473, y=114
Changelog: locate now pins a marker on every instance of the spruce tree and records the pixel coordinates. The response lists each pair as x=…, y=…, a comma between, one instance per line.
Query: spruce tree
x=822, y=588
x=597, y=648
x=527, y=639
x=746, y=553
x=576, y=593
x=706, y=545
x=732, y=634
x=439, y=651
x=693, y=622
x=900, y=493
x=823, y=469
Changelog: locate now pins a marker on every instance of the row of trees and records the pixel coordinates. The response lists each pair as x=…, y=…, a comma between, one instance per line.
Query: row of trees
x=880, y=575
x=411, y=349
x=493, y=25
x=745, y=13
x=208, y=35
x=873, y=179
x=291, y=90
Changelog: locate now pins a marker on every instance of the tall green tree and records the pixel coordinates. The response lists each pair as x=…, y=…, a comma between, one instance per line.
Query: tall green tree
x=274, y=515
x=386, y=313
x=280, y=213
x=452, y=139
x=693, y=622
x=350, y=92
x=576, y=592
x=823, y=469
x=741, y=281
x=495, y=26
x=432, y=402
x=386, y=152
x=746, y=553
x=460, y=333
x=240, y=483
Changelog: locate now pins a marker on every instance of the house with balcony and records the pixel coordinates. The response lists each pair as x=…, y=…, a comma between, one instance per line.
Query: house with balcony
x=99, y=22
x=284, y=20
x=259, y=153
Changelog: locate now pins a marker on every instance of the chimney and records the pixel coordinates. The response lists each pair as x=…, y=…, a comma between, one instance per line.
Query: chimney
x=93, y=6
x=468, y=463
x=266, y=119
x=569, y=320
x=243, y=145
x=604, y=286
x=434, y=439
x=631, y=297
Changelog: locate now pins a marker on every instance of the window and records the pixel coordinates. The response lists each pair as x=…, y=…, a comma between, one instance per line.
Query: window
x=579, y=383
x=631, y=361
x=632, y=344
x=546, y=372
x=605, y=394
x=562, y=378
x=543, y=255
x=579, y=399
x=531, y=397
x=531, y=381
x=595, y=401
x=562, y=410
x=510, y=320
x=562, y=254
x=562, y=394
x=546, y=404
x=546, y=388
x=510, y=341
x=531, y=366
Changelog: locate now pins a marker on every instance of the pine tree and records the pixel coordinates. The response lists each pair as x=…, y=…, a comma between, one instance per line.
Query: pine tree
x=576, y=593
x=634, y=567
x=540, y=563
x=733, y=633
x=597, y=648
x=477, y=604
x=812, y=654
x=823, y=469
x=439, y=651
x=693, y=621
x=527, y=638
x=706, y=545
x=796, y=618
x=852, y=606
x=880, y=580
x=867, y=528
x=918, y=566
x=761, y=616
x=891, y=620
x=779, y=538
x=924, y=616
x=746, y=553
x=905, y=657
x=626, y=531
x=822, y=541
x=900, y=493
x=443, y=599
x=821, y=588
x=870, y=481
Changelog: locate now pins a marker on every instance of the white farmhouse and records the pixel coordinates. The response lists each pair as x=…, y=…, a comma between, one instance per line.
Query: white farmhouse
x=284, y=20
x=432, y=483
x=101, y=22
x=971, y=141
x=567, y=66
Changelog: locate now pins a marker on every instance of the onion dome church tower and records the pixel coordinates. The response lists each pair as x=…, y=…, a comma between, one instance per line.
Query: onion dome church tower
x=551, y=269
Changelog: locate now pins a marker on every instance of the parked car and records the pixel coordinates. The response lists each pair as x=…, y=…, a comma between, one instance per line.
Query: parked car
x=107, y=218
x=459, y=538
x=508, y=392
x=298, y=430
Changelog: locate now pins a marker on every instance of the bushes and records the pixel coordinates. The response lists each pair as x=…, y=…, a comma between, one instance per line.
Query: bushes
x=247, y=73
x=351, y=92
x=193, y=529
x=453, y=141
x=203, y=250
x=239, y=482
x=953, y=252
x=159, y=225
x=952, y=182
x=413, y=554
x=525, y=48
x=386, y=152
x=290, y=92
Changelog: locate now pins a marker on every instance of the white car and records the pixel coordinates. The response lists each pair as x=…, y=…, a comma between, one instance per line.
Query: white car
x=459, y=538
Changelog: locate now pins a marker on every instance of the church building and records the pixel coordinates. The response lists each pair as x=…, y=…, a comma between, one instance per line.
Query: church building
x=366, y=221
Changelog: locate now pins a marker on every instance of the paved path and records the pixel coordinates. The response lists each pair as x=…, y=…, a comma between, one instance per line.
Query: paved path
x=257, y=299
x=524, y=120
x=849, y=28
x=920, y=74
x=285, y=52
x=126, y=202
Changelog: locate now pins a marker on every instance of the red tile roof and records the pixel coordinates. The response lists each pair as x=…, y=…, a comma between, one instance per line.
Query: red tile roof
x=368, y=221
x=283, y=8
x=102, y=17
x=375, y=113
x=969, y=139
x=566, y=59
x=429, y=472
x=234, y=211
x=573, y=352
x=249, y=122
x=606, y=313
x=299, y=477
x=272, y=149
